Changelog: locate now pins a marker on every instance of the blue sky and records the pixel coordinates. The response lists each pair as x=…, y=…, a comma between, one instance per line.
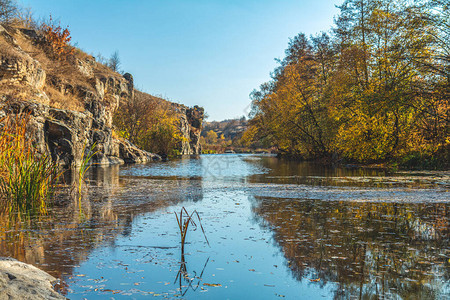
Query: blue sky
x=212, y=53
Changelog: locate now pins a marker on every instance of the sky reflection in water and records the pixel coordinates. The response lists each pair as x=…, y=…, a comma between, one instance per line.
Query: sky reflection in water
x=276, y=229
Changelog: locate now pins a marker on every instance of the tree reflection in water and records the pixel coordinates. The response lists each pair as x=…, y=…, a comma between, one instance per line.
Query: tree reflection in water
x=59, y=242
x=369, y=249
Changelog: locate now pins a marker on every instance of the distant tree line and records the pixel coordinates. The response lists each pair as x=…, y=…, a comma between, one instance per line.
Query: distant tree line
x=374, y=89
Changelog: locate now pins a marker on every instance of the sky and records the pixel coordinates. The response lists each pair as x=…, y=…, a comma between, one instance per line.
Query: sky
x=210, y=53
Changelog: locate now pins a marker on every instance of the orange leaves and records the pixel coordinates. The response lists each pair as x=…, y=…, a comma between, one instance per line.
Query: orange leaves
x=58, y=40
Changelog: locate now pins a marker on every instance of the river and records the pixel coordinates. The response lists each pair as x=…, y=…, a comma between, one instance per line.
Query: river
x=276, y=229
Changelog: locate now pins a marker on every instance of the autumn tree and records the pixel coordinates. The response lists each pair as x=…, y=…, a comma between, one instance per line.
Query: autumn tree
x=376, y=89
x=211, y=137
x=150, y=123
x=379, y=68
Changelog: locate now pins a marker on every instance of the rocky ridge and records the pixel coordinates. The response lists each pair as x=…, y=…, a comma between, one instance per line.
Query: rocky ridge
x=29, y=81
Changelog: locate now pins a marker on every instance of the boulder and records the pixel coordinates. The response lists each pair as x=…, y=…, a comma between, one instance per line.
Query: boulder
x=21, y=281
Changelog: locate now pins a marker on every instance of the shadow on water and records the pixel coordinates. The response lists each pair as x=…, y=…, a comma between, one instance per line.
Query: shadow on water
x=370, y=250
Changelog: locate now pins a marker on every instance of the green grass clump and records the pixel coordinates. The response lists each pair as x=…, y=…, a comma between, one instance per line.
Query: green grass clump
x=26, y=176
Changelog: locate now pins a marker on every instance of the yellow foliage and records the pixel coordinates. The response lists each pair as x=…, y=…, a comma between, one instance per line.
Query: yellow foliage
x=150, y=123
x=377, y=91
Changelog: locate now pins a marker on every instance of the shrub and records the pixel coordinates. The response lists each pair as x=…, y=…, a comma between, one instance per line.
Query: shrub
x=57, y=40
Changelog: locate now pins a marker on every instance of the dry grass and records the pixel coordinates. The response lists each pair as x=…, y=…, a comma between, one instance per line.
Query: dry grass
x=8, y=50
x=184, y=219
x=63, y=101
x=26, y=177
x=158, y=100
x=18, y=92
x=60, y=73
x=65, y=72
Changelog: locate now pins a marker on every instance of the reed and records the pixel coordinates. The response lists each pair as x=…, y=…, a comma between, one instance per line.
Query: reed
x=185, y=219
x=26, y=176
x=84, y=167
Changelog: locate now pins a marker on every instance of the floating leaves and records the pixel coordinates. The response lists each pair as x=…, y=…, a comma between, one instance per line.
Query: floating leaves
x=212, y=284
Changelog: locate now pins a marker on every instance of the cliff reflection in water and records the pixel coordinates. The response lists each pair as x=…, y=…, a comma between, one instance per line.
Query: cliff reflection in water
x=366, y=249
x=62, y=240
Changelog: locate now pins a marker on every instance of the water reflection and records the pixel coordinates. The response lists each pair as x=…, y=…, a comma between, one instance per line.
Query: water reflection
x=59, y=242
x=208, y=168
x=285, y=171
x=381, y=250
x=395, y=246
x=189, y=280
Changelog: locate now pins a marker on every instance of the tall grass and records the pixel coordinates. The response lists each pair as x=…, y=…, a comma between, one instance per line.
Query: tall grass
x=81, y=174
x=26, y=176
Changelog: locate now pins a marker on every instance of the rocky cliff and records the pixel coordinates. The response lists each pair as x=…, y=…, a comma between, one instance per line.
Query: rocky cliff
x=191, y=127
x=70, y=102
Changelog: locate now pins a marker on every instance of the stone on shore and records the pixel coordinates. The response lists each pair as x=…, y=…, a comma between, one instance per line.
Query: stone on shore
x=22, y=281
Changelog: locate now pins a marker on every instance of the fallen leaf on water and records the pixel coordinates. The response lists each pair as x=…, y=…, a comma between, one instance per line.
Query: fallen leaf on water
x=212, y=284
x=113, y=291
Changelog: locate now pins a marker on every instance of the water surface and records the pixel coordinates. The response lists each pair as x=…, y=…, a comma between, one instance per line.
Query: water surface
x=276, y=229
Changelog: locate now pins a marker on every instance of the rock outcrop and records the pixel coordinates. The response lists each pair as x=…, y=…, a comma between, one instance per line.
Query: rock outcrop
x=67, y=135
x=191, y=127
x=28, y=87
x=71, y=102
x=20, y=281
